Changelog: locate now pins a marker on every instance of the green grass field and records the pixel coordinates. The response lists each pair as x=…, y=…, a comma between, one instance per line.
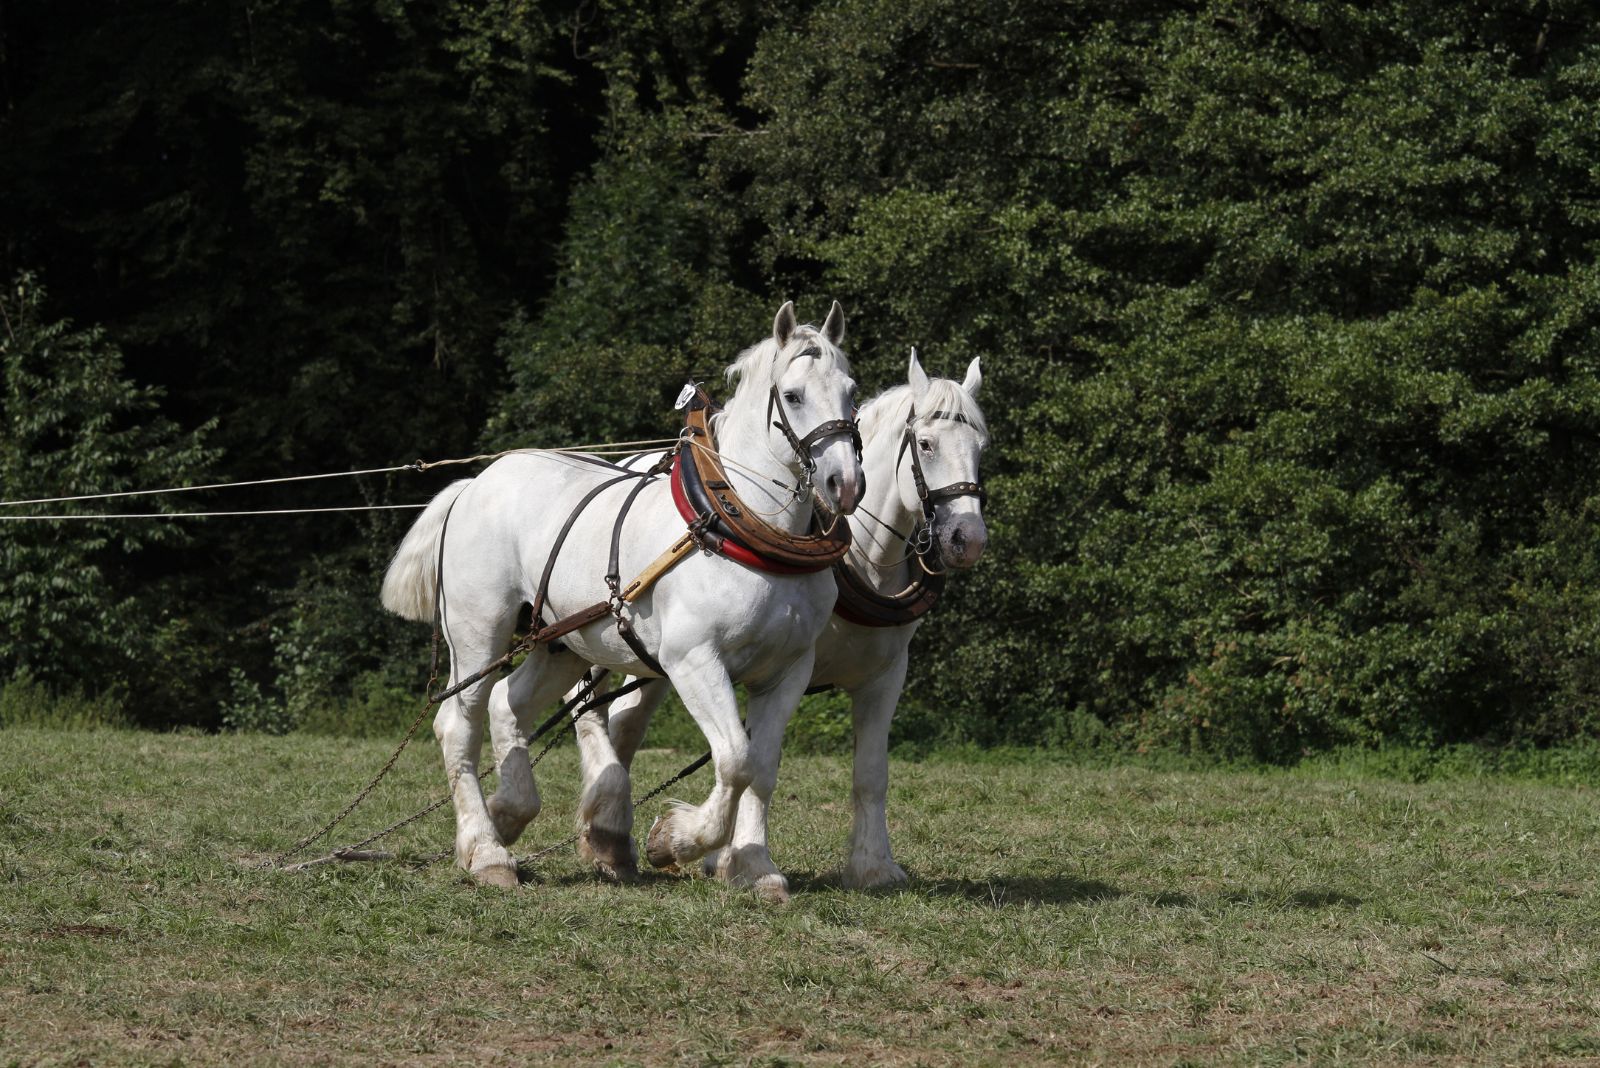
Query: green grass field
x=1057, y=914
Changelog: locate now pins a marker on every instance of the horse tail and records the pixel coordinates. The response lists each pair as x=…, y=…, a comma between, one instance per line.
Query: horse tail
x=411, y=583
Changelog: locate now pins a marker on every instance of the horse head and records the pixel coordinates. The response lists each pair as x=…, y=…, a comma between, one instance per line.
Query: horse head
x=809, y=405
x=936, y=467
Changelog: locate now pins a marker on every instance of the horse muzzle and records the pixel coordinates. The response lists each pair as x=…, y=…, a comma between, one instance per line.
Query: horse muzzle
x=962, y=540
x=839, y=485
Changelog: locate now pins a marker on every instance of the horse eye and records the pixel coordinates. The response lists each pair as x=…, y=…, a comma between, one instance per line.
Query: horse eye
x=792, y=397
x=925, y=445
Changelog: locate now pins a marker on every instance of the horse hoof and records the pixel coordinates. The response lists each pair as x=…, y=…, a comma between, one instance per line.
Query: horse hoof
x=773, y=889
x=658, y=846
x=871, y=874
x=503, y=876
x=612, y=855
x=621, y=874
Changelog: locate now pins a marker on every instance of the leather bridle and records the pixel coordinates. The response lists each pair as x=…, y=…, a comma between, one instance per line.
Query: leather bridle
x=858, y=601
x=928, y=497
x=802, y=446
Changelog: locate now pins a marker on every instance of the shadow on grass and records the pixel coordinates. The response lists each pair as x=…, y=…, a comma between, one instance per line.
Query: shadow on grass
x=996, y=893
x=1004, y=890
x=1312, y=898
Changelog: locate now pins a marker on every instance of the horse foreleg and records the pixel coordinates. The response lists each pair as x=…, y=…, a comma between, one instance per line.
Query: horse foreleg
x=747, y=861
x=686, y=832
x=869, y=862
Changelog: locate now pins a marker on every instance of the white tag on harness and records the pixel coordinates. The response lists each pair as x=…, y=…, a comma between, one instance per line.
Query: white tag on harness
x=684, y=396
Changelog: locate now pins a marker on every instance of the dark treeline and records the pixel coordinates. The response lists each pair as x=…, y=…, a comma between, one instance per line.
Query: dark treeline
x=1289, y=315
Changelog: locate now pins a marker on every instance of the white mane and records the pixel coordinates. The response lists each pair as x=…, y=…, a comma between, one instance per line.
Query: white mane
x=889, y=410
x=756, y=369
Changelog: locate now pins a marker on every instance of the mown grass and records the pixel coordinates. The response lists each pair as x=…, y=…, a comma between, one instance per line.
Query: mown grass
x=1105, y=915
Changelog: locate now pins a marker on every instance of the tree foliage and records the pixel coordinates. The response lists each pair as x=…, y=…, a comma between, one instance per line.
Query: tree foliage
x=70, y=424
x=1290, y=312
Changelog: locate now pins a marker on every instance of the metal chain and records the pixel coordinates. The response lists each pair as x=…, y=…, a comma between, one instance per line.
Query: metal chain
x=328, y=827
x=345, y=851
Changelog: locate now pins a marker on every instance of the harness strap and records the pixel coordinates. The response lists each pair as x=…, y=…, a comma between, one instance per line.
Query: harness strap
x=613, y=570
x=614, y=581
x=613, y=605
x=555, y=550
x=569, y=623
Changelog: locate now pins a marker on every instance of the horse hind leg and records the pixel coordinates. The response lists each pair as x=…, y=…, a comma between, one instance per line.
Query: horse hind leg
x=458, y=726
x=605, y=812
x=513, y=704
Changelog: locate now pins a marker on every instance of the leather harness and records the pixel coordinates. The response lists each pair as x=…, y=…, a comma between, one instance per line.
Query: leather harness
x=707, y=501
x=719, y=523
x=716, y=523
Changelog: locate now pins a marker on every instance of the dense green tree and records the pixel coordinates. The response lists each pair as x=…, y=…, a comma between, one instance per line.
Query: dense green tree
x=70, y=424
x=1289, y=311
x=307, y=221
x=1289, y=322
x=1299, y=303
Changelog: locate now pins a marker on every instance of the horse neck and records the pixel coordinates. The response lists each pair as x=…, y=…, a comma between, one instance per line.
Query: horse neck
x=878, y=553
x=761, y=480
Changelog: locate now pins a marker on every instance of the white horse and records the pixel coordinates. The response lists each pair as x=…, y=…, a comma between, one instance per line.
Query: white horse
x=933, y=490
x=482, y=545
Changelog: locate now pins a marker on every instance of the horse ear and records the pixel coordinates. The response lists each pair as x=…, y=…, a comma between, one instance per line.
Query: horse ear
x=916, y=376
x=833, y=326
x=783, y=325
x=974, y=378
